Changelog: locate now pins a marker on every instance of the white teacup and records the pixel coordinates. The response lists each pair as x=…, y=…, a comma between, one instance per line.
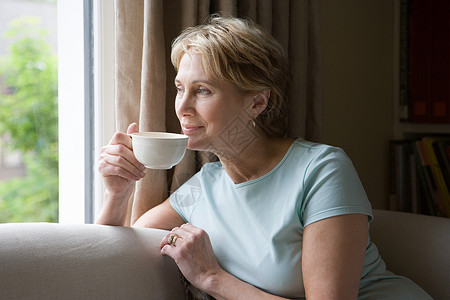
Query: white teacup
x=159, y=150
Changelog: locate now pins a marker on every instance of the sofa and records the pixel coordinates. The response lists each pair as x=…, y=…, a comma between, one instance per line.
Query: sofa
x=85, y=261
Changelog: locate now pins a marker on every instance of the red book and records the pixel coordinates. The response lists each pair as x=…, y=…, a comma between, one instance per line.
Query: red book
x=420, y=60
x=440, y=62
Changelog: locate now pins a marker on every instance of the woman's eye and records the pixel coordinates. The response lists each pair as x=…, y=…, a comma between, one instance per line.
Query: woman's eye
x=203, y=91
x=179, y=89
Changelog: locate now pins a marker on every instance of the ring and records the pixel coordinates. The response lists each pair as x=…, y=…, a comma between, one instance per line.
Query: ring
x=172, y=239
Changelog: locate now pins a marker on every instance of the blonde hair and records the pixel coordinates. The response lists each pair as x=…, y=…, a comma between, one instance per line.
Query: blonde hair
x=238, y=51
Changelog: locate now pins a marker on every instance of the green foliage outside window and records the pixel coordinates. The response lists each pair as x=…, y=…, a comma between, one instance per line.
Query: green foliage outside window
x=29, y=117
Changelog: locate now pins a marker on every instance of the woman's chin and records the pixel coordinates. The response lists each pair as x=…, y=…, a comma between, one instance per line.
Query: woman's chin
x=195, y=145
x=199, y=145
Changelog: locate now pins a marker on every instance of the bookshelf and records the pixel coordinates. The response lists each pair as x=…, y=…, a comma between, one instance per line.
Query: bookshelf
x=401, y=128
x=408, y=190
x=410, y=130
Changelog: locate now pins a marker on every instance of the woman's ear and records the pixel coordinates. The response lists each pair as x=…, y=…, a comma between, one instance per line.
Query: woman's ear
x=260, y=100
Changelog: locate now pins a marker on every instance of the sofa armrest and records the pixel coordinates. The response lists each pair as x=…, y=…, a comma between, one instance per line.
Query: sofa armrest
x=415, y=246
x=56, y=261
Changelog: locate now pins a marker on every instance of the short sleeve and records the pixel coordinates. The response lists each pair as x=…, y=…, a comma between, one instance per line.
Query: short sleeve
x=332, y=187
x=186, y=197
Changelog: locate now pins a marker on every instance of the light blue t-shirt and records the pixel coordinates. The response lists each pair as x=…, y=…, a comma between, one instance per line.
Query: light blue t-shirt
x=256, y=227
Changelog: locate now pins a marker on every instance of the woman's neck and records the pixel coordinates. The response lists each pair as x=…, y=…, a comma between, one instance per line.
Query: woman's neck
x=256, y=160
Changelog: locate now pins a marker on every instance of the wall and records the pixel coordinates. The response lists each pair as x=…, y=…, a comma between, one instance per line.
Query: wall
x=357, y=43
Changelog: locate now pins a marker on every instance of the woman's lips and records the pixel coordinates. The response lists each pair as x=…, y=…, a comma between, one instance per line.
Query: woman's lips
x=190, y=129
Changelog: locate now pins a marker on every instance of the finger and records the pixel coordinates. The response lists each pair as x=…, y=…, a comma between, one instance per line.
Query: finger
x=117, y=165
x=164, y=240
x=107, y=169
x=168, y=250
x=167, y=240
x=132, y=128
x=123, y=155
x=193, y=234
x=120, y=138
x=110, y=170
x=121, y=150
x=181, y=232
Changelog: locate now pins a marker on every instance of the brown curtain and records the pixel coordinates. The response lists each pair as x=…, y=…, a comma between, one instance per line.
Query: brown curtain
x=145, y=91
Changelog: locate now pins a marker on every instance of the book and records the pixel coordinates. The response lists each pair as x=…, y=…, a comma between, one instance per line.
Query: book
x=403, y=62
x=440, y=61
x=442, y=150
x=420, y=33
x=426, y=194
x=437, y=175
x=405, y=194
x=399, y=177
x=420, y=174
x=426, y=60
x=432, y=186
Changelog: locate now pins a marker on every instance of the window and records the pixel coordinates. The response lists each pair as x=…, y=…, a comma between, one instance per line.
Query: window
x=29, y=112
x=86, y=84
x=85, y=112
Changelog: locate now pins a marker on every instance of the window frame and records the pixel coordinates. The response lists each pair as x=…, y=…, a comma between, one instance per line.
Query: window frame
x=86, y=103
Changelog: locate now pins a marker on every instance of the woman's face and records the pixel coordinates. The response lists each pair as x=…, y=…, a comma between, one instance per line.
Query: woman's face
x=213, y=113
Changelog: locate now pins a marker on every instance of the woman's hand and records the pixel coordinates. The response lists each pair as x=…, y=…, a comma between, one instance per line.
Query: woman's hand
x=118, y=165
x=192, y=252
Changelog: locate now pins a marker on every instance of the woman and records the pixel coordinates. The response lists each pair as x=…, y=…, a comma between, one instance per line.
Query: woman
x=275, y=217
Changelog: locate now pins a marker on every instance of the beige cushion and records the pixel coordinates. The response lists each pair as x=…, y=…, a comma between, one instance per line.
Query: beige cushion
x=415, y=246
x=55, y=261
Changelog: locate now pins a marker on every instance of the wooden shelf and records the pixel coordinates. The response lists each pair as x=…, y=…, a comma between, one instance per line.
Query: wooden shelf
x=422, y=128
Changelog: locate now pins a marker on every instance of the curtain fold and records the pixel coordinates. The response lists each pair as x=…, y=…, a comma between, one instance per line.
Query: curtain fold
x=145, y=91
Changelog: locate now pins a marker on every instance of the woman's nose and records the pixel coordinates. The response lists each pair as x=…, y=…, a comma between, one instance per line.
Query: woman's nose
x=184, y=105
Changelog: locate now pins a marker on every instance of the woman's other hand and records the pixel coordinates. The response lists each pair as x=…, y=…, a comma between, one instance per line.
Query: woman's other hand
x=193, y=253
x=118, y=165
